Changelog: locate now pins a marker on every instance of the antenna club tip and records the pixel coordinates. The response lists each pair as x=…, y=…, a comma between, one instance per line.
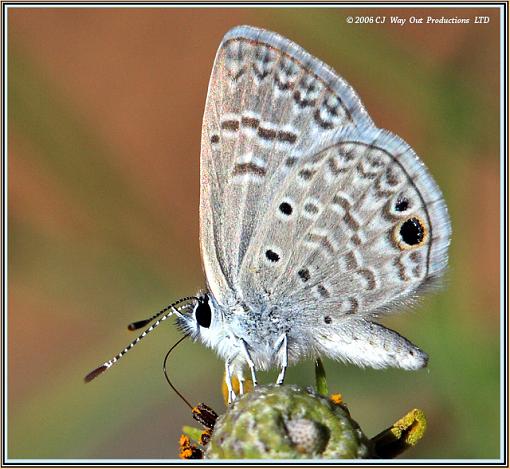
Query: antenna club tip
x=95, y=373
x=138, y=324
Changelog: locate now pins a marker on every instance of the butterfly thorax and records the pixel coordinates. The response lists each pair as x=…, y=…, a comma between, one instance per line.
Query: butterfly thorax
x=258, y=328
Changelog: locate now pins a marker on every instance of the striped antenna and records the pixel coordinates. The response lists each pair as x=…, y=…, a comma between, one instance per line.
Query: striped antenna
x=139, y=324
x=173, y=310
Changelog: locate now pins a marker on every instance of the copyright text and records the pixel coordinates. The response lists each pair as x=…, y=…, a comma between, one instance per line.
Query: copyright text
x=402, y=21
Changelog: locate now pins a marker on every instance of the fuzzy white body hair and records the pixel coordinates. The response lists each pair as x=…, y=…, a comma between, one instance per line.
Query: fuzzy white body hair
x=352, y=340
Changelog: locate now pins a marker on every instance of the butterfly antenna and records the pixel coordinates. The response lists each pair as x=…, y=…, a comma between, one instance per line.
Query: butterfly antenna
x=166, y=374
x=169, y=310
x=139, y=324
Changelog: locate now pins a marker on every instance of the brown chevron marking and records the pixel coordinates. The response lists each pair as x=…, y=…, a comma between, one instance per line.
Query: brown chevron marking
x=237, y=75
x=344, y=203
x=266, y=134
x=354, y=305
x=415, y=256
x=306, y=174
x=350, y=261
x=401, y=269
x=303, y=102
x=323, y=241
x=334, y=168
x=287, y=137
x=322, y=123
x=369, y=277
x=311, y=208
x=323, y=291
x=251, y=122
x=283, y=86
x=364, y=173
x=348, y=155
x=391, y=177
x=356, y=240
x=248, y=168
x=351, y=222
x=260, y=74
x=232, y=125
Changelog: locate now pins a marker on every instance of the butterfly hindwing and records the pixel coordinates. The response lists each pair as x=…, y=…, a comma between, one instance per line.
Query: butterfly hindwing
x=365, y=228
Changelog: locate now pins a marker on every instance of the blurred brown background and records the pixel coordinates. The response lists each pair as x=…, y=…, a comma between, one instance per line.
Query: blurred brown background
x=105, y=109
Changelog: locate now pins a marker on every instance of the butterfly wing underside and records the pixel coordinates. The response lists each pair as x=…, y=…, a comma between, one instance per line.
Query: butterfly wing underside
x=265, y=111
x=306, y=205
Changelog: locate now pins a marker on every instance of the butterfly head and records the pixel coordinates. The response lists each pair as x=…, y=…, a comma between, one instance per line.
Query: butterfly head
x=204, y=323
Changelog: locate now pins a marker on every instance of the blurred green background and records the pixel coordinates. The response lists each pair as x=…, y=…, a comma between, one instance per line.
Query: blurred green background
x=105, y=109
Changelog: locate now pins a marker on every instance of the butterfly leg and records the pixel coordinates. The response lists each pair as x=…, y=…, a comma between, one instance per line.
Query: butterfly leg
x=228, y=381
x=281, y=348
x=249, y=361
x=240, y=379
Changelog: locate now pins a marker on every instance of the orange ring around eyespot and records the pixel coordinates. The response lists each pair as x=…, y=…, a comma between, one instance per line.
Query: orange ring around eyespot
x=397, y=237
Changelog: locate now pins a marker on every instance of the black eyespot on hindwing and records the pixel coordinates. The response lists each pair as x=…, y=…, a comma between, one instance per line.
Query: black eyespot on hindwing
x=410, y=234
x=402, y=204
x=412, y=231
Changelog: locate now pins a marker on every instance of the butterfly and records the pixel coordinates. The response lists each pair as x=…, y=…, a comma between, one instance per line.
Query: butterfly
x=314, y=222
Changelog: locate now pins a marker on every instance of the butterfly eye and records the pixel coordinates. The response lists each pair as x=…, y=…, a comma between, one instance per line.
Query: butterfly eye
x=203, y=313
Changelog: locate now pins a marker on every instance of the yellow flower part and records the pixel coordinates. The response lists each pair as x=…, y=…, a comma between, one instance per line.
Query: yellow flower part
x=411, y=427
x=184, y=441
x=336, y=399
x=187, y=450
x=247, y=387
x=403, y=434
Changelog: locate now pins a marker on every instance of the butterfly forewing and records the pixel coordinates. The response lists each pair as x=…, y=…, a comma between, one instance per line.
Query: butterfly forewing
x=269, y=106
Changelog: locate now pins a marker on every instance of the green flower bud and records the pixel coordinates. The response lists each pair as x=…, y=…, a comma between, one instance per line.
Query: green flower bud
x=286, y=422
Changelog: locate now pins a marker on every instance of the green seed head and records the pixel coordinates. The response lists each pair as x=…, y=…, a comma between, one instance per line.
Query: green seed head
x=286, y=422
